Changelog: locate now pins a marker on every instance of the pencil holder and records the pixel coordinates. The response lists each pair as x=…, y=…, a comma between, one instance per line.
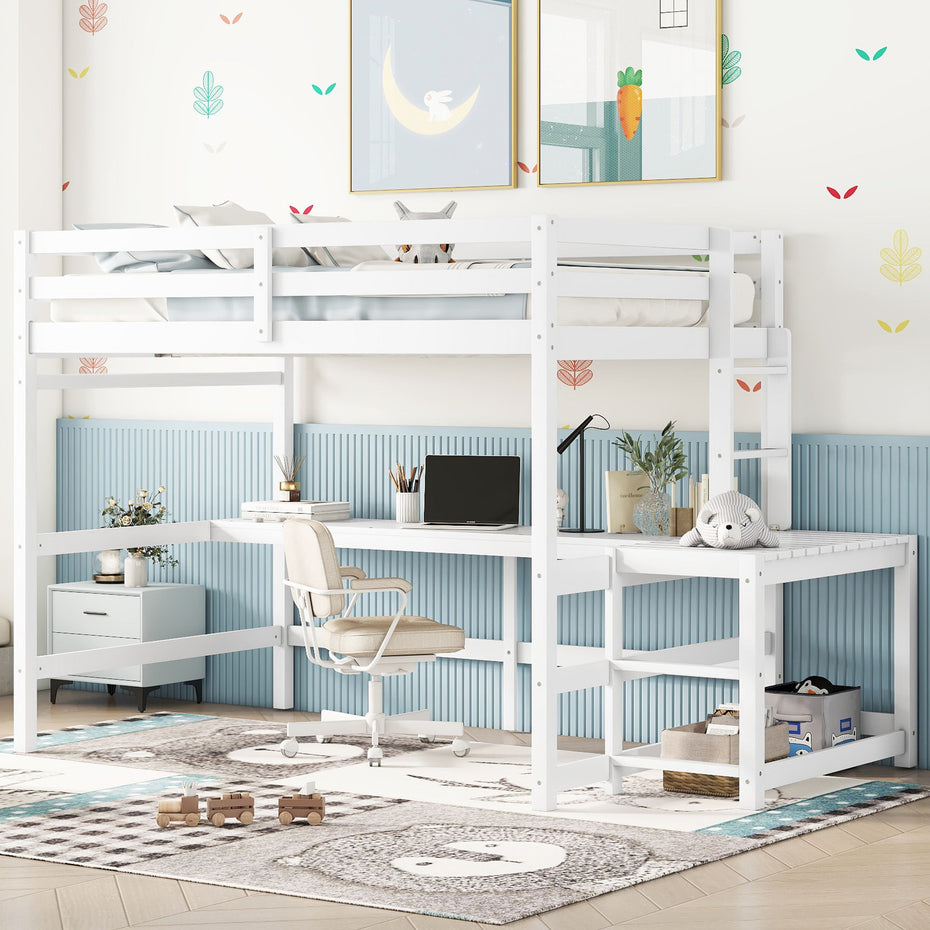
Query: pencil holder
x=407, y=507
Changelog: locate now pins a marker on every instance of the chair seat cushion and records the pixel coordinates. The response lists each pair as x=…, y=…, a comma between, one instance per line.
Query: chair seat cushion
x=414, y=636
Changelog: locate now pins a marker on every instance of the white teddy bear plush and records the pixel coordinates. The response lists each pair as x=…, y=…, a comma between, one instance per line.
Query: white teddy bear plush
x=730, y=521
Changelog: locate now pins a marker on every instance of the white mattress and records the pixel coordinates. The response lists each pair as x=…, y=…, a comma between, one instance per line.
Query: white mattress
x=573, y=311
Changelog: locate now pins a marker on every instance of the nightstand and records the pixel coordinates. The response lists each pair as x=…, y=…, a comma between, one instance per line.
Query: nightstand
x=87, y=615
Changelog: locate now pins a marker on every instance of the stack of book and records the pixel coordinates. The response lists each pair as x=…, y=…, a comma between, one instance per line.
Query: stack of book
x=276, y=511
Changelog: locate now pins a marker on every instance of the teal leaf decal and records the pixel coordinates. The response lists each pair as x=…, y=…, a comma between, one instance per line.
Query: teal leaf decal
x=729, y=61
x=317, y=88
x=321, y=92
x=863, y=55
x=209, y=96
x=879, y=53
x=330, y=89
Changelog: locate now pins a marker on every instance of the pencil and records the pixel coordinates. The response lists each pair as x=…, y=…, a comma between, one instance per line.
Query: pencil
x=393, y=479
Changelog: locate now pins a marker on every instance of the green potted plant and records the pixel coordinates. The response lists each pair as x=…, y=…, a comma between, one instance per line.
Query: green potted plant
x=663, y=465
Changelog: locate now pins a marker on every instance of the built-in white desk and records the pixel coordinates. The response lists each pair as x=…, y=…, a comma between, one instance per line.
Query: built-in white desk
x=591, y=562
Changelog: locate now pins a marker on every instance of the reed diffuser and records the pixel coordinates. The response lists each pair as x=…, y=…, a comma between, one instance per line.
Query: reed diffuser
x=289, y=487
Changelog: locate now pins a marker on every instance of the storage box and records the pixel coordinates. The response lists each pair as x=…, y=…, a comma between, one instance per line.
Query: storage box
x=816, y=721
x=692, y=742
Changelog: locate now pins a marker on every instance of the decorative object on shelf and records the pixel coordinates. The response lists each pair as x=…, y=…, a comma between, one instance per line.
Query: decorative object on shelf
x=730, y=521
x=561, y=502
x=662, y=466
x=619, y=82
x=681, y=521
x=135, y=570
x=438, y=254
x=144, y=510
x=109, y=567
x=423, y=116
x=623, y=490
x=407, y=498
x=577, y=432
x=289, y=487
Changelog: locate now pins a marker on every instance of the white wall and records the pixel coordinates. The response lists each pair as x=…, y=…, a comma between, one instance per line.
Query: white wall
x=812, y=114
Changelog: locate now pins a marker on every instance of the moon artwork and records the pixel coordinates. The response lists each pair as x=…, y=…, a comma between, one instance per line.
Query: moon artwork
x=432, y=95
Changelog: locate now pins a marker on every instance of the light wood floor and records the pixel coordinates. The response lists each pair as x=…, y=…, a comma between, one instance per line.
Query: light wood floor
x=871, y=874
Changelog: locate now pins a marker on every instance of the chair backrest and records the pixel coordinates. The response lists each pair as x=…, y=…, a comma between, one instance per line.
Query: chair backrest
x=310, y=555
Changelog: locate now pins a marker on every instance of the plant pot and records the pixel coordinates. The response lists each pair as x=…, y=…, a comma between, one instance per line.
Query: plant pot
x=651, y=513
x=136, y=571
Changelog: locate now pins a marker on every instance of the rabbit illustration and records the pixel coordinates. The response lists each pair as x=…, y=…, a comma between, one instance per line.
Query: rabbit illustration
x=437, y=103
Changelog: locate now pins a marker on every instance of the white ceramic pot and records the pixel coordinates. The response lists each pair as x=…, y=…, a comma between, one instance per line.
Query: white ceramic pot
x=136, y=571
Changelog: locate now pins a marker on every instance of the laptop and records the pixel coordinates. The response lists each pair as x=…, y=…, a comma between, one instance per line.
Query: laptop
x=471, y=492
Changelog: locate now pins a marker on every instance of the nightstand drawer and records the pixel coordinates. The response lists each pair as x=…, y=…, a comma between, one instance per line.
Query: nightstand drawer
x=99, y=614
x=74, y=642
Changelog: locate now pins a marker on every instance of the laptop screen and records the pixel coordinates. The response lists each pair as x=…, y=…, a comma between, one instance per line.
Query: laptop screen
x=471, y=489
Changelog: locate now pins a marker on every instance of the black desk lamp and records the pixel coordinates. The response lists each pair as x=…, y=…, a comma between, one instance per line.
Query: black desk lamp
x=563, y=445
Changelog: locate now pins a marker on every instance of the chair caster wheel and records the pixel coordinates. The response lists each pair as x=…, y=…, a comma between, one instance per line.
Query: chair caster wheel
x=427, y=739
x=324, y=739
x=374, y=763
x=375, y=755
x=460, y=748
x=289, y=748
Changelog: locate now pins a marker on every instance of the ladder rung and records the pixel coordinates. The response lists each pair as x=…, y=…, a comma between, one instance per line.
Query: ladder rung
x=760, y=454
x=762, y=372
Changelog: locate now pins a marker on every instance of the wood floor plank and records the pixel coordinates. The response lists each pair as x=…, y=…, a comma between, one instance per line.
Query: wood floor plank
x=146, y=898
x=713, y=877
x=200, y=895
x=94, y=905
x=833, y=840
x=755, y=864
x=915, y=916
x=795, y=852
x=670, y=891
x=430, y=922
x=38, y=911
x=580, y=916
x=623, y=905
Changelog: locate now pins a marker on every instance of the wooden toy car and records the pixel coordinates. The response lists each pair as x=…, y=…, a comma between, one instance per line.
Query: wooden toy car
x=185, y=809
x=310, y=806
x=239, y=804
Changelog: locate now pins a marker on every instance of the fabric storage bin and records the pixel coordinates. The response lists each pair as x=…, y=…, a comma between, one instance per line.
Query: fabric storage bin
x=816, y=721
x=690, y=741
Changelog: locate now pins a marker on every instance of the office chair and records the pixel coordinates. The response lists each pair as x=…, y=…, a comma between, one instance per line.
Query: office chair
x=375, y=646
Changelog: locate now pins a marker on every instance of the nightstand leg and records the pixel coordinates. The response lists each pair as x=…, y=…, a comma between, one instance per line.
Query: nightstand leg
x=53, y=686
x=111, y=690
x=197, y=685
x=142, y=696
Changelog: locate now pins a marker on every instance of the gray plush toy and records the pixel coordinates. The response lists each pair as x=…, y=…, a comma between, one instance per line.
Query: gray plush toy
x=730, y=521
x=440, y=253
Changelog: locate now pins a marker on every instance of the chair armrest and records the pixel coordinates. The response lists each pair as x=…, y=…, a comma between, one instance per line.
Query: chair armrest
x=381, y=584
x=350, y=571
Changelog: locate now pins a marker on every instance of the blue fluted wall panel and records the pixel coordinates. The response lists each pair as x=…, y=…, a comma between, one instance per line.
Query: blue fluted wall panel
x=869, y=484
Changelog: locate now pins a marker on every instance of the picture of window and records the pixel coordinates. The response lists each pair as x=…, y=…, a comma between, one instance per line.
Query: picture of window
x=432, y=94
x=628, y=95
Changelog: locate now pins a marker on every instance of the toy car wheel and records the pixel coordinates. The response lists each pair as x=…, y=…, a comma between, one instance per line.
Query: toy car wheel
x=289, y=748
x=324, y=739
x=218, y=819
x=286, y=817
x=246, y=817
x=192, y=819
x=314, y=817
x=162, y=820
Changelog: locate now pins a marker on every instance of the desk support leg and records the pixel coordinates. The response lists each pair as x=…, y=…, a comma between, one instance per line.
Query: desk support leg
x=752, y=604
x=775, y=634
x=613, y=692
x=282, y=661
x=905, y=654
x=509, y=671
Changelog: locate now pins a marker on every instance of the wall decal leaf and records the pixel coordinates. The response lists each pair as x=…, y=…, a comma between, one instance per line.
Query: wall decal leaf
x=862, y=54
x=93, y=366
x=575, y=373
x=701, y=258
x=329, y=89
x=743, y=385
x=850, y=192
x=65, y=186
x=757, y=387
x=72, y=72
x=729, y=71
x=209, y=96
x=884, y=326
x=306, y=210
x=901, y=326
x=879, y=53
x=93, y=16
x=901, y=260
x=225, y=18
x=84, y=71
x=834, y=193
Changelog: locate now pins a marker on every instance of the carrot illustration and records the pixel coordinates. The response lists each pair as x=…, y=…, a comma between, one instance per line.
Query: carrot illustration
x=629, y=100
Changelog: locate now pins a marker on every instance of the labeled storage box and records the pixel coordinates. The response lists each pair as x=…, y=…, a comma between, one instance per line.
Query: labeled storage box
x=692, y=742
x=816, y=721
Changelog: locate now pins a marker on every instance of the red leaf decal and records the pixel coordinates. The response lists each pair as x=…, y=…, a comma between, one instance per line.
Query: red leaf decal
x=305, y=212
x=834, y=193
x=850, y=192
x=93, y=16
x=64, y=186
x=93, y=366
x=576, y=372
x=294, y=210
x=743, y=385
x=758, y=387
x=308, y=209
x=237, y=17
x=225, y=18
x=535, y=169
x=523, y=167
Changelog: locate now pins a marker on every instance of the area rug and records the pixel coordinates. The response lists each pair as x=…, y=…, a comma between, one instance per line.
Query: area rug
x=426, y=833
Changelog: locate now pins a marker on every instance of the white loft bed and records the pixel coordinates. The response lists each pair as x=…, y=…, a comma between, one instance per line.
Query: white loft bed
x=759, y=349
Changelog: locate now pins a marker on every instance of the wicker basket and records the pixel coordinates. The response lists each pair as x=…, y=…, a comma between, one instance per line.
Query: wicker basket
x=692, y=742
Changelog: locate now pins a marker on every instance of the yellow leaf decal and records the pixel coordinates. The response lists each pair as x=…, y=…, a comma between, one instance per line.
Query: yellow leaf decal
x=901, y=260
x=85, y=71
x=72, y=72
x=884, y=326
x=901, y=326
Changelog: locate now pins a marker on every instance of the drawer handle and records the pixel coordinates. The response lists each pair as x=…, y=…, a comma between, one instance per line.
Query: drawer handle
x=96, y=613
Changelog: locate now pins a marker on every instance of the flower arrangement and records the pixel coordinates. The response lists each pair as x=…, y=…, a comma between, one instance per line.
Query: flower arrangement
x=144, y=510
x=664, y=465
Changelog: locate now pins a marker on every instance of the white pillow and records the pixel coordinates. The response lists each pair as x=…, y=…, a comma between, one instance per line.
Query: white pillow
x=145, y=261
x=231, y=214
x=339, y=256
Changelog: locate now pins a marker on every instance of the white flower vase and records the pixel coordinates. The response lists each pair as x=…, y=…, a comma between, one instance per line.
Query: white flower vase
x=136, y=571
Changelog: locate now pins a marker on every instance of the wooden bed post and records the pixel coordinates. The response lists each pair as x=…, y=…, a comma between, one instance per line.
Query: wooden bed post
x=720, y=371
x=543, y=694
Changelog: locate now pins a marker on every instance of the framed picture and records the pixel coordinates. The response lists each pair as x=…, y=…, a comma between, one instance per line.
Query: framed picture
x=629, y=91
x=432, y=94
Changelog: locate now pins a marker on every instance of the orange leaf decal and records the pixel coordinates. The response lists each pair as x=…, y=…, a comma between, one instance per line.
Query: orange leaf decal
x=575, y=373
x=64, y=186
x=757, y=387
x=524, y=167
x=743, y=385
x=749, y=390
x=93, y=366
x=93, y=16
x=228, y=21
